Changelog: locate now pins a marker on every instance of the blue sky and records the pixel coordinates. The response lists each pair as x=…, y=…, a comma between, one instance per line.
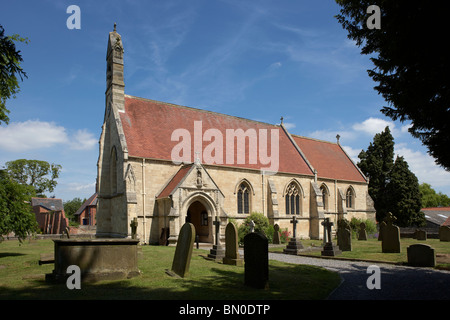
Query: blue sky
x=254, y=59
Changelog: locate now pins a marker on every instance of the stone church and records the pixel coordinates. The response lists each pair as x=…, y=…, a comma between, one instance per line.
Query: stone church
x=162, y=164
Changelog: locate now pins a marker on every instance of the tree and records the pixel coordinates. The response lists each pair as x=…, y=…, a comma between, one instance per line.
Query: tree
x=411, y=64
x=39, y=174
x=72, y=206
x=432, y=199
x=10, y=59
x=15, y=210
x=377, y=163
x=404, y=197
x=261, y=225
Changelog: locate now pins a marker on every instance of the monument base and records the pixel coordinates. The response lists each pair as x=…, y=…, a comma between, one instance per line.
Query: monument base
x=294, y=247
x=233, y=262
x=217, y=253
x=330, y=250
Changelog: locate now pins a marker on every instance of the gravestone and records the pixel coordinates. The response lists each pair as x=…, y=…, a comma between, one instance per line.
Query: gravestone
x=444, y=233
x=390, y=242
x=133, y=226
x=252, y=226
x=344, y=235
x=183, y=251
x=218, y=250
x=294, y=246
x=232, y=246
x=329, y=248
x=256, y=258
x=420, y=235
x=421, y=255
x=382, y=226
x=276, y=234
x=362, y=234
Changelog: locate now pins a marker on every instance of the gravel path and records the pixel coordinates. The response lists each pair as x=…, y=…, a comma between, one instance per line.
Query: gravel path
x=396, y=282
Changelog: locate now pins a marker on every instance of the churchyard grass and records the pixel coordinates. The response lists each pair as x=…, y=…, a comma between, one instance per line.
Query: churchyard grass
x=371, y=250
x=21, y=277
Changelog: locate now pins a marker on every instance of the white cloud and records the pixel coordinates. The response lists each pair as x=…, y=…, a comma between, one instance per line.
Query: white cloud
x=289, y=125
x=373, y=126
x=83, y=140
x=31, y=134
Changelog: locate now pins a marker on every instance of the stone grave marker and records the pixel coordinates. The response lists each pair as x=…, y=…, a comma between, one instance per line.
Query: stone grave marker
x=183, y=251
x=232, y=246
x=444, y=233
x=420, y=234
x=390, y=242
x=382, y=226
x=344, y=235
x=218, y=250
x=256, y=258
x=276, y=234
x=421, y=255
x=133, y=226
x=362, y=234
x=252, y=226
x=294, y=246
x=329, y=248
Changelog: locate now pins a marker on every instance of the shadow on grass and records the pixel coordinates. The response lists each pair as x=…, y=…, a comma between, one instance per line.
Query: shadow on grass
x=286, y=282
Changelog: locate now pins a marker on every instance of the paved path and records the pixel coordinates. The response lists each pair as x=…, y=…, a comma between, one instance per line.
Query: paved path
x=396, y=282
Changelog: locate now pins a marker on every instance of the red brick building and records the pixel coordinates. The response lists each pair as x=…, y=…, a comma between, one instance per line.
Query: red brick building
x=50, y=215
x=86, y=213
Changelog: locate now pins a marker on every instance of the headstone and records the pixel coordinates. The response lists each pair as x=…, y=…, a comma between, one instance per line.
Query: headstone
x=256, y=258
x=232, y=246
x=183, y=251
x=382, y=226
x=329, y=248
x=294, y=246
x=362, y=234
x=218, y=250
x=344, y=235
x=444, y=233
x=133, y=226
x=420, y=235
x=252, y=226
x=421, y=255
x=276, y=234
x=390, y=242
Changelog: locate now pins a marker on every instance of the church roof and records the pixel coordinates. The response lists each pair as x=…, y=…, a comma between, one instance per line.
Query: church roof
x=329, y=159
x=148, y=126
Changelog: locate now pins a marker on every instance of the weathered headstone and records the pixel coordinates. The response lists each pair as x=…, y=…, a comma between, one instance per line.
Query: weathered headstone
x=344, y=235
x=133, y=226
x=256, y=258
x=329, y=248
x=421, y=255
x=362, y=234
x=420, y=234
x=390, y=242
x=276, y=234
x=444, y=233
x=232, y=246
x=183, y=251
x=381, y=226
x=218, y=250
x=294, y=246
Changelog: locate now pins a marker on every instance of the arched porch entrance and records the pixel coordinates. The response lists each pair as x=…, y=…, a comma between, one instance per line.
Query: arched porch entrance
x=198, y=216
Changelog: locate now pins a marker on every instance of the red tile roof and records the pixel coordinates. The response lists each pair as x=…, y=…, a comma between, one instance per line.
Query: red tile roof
x=148, y=126
x=329, y=159
x=176, y=179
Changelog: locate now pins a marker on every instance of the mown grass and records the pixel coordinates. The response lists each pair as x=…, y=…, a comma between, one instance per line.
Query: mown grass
x=22, y=278
x=371, y=250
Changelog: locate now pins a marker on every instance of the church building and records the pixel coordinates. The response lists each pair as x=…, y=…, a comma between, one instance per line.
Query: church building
x=166, y=164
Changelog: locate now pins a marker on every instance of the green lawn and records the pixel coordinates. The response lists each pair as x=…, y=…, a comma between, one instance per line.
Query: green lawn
x=22, y=278
x=371, y=249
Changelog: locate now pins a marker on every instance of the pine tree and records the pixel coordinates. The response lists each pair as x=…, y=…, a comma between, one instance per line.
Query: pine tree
x=403, y=195
x=377, y=163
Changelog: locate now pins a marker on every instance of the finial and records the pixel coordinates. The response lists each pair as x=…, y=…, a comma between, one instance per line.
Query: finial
x=115, y=25
x=337, y=137
x=281, y=120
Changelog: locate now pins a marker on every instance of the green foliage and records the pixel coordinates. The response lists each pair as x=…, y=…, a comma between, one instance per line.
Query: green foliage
x=411, y=64
x=355, y=223
x=15, y=209
x=10, y=59
x=72, y=206
x=432, y=199
x=36, y=173
x=261, y=225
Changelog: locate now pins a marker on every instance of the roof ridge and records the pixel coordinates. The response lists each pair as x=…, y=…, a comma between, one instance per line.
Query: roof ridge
x=314, y=139
x=201, y=110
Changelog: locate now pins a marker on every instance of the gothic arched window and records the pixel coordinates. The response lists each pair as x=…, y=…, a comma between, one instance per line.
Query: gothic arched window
x=243, y=198
x=292, y=199
x=349, y=198
x=324, y=197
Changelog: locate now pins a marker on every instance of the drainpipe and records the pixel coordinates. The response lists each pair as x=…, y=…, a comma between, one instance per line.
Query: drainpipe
x=143, y=200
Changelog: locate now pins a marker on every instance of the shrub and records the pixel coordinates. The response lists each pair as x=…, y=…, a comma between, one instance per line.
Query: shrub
x=371, y=227
x=261, y=225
